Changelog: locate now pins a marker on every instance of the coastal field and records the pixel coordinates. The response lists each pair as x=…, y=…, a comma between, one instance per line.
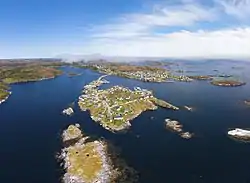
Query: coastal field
x=18, y=71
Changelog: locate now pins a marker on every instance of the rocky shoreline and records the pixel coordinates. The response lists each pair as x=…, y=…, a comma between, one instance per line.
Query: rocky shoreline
x=87, y=160
x=69, y=111
x=240, y=134
x=4, y=100
x=84, y=160
x=175, y=126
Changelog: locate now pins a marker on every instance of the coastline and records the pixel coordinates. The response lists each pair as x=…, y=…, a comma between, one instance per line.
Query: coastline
x=33, y=80
x=4, y=100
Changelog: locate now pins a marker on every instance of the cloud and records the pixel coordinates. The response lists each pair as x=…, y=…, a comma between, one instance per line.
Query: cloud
x=237, y=8
x=225, y=43
x=141, y=24
x=137, y=34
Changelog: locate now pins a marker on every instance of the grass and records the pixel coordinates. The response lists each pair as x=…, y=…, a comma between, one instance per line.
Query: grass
x=73, y=131
x=15, y=74
x=3, y=94
x=3, y=91
x=123, y=103
x=27, y=73
x=85, y=161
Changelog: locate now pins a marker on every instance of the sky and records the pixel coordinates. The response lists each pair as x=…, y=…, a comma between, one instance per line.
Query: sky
x=148, y=28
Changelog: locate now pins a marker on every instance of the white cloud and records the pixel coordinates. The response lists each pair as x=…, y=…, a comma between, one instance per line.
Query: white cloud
x=175, y=16
x=237, y=8
x=226, y=43
x=135, y=34
x=141, y=24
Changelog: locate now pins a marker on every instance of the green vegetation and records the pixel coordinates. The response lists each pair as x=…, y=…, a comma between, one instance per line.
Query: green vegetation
x=4, y=93
x=27, y=73
x=113, y=108
x=163, y=104
x=24, y=71
x=155, y=73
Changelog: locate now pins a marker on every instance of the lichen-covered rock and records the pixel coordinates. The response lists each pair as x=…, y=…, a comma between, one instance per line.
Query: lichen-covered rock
x=90, y=161
x=69, y=111
x=72, y=133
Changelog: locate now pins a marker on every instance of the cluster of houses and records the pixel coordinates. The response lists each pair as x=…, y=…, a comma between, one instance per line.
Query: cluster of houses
x=113, y=110
x=144, y=75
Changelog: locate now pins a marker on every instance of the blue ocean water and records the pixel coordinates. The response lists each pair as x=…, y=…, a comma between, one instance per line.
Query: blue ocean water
x=31, y=123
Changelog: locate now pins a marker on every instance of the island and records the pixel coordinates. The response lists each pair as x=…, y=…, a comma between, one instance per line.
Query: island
x=225, y=75
x=19, y=71
x=186, y=135
x=175, y=126
x=247, y=102
x=201, y=77
x=89, y=160
x=69, y=111
x=143, y=73
x=115, y=107
x=72, y=74
x=227, y=83
x=240, y=134
x=189, y=108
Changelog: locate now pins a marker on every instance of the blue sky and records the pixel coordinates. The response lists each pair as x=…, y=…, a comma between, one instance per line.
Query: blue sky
x=170, y=28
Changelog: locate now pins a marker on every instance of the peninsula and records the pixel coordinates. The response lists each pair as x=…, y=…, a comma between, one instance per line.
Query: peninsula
x=139, y=72
x=115, y=107
x=89, y=160
x=18, y=71
x=4, y=92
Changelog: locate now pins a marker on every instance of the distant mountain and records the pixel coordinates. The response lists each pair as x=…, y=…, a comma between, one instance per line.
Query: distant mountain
x=91, y=57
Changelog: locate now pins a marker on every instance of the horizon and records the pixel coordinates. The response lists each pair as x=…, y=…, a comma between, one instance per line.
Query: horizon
x=176, y=29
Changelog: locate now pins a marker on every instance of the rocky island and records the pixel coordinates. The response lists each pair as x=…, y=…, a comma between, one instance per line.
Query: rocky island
x=69, y=111
x=227, y=83
x=73, y=74
x=240, y=134
x=88, y=160
x=189, y=108
x=175, y=126
x=247, y=102
x=115, y=107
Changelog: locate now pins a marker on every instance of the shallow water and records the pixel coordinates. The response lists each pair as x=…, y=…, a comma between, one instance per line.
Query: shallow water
x=31, y=123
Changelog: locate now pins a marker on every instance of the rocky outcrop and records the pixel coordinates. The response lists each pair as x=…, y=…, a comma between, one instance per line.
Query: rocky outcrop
x=72, y=133
x=239, y=134
x=177, y=127
x=69, y=111
x=88, y=160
